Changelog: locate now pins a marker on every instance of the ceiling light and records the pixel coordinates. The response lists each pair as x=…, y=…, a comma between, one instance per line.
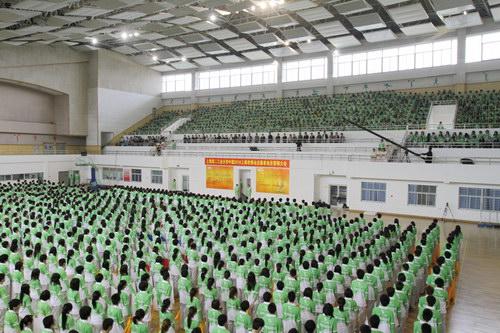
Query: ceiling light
x=465, y=12
x=252, y=8
x=287, y=43
x=155, y=58
x=309, y=41
x=213, y=18
x=183, y=59
x=93, y=41
x=124, y=35
x=136, y=34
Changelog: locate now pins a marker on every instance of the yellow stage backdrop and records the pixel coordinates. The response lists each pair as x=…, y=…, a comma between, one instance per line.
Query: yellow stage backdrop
x=219, y=177
x=272, y=180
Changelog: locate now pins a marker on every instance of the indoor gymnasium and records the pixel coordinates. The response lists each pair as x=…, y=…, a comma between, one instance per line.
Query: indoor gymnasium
x=249, y=166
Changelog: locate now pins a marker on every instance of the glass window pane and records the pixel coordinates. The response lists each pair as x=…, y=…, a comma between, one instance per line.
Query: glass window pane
x=304, y=73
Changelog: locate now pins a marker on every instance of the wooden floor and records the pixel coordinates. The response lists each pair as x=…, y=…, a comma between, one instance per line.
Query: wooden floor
x=477, y=306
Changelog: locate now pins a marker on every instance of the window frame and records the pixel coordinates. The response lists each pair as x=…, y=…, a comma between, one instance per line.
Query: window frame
x=373, y=191
x=423, y=195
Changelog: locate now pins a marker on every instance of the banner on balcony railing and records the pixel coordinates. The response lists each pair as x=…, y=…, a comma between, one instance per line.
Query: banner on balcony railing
x=247, y=162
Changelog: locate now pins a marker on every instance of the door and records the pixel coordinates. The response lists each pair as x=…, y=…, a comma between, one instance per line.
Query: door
x=63, y=177
x=185, y=183
x=245, y=181
x=338, y=195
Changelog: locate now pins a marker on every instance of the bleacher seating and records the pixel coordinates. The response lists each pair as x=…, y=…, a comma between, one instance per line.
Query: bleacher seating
x=372, y=109
x=478, y=108
x=445, y=139
x=319, y=137
x=158, y=122
x=377, y=110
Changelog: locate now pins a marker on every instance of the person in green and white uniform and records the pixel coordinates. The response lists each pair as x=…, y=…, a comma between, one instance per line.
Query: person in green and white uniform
x=26, y=324
x=237, y=191
x=11, y=318
x=243, y=321
x=66, y=322
x=326, y=322
x=138, y=325
x=221, y=322
x=49, y=324
x=173, y=185
x=83, y=325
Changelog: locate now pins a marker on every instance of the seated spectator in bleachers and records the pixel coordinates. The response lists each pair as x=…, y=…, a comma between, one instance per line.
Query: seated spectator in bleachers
x=461, y=140
x=243, y=138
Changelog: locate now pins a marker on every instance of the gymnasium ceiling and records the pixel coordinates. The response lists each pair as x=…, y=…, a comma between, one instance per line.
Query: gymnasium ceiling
x=185, y=34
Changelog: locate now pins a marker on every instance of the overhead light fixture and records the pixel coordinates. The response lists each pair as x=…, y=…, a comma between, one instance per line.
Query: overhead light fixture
x=124, y=35
x=93, y=41
x=136, y=34
x=213, y=18
x=155, y=58
x=465, y=12
x=183, y=59
x=287, y=43
x=252, y=8
x=309, y=41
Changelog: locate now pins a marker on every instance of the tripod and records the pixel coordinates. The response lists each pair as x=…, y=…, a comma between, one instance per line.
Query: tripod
x=446, y=210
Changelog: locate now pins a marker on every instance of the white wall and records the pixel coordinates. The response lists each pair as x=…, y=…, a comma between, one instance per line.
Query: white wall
x=58, y=68
x=49, y=165
x=121, y=92
x=310, y=180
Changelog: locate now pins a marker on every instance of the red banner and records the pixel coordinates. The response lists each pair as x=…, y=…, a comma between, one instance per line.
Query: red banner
x=247, y=162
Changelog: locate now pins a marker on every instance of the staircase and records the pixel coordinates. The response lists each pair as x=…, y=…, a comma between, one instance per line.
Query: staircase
x=442, y=112
x=167, y=131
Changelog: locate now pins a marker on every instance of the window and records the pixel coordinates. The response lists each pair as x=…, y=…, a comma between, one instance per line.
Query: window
x=421, y=195
x=441, y=53
x=406, y=58
x=137, y=175
x=5, y=178
x=479, y=198
x=21, y=176
x=304, y=70
x=374, y=62
x=444, y=53
x=482, y=47
x=373, y=191
x=157, y=176
x=112, y=174
x=179, y=82
x=423, y=55
x=237, y=77
x=359, y=64
x=390, y=60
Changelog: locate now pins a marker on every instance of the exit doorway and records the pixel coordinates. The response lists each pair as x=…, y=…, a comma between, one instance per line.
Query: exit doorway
x=338, y=195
